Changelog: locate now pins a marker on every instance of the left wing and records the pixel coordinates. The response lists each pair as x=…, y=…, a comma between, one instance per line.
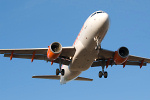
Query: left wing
x=39, y=54
x=109, y=55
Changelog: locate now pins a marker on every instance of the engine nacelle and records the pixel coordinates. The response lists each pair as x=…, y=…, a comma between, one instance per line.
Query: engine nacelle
x=54, y=50
x=121, y=55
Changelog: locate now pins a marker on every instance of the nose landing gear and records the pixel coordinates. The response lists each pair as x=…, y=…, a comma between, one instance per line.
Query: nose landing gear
x=96, y=39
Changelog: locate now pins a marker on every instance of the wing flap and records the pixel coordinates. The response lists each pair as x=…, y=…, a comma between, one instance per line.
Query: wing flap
x=136, y=58
x=99, y=63
x=39, y=57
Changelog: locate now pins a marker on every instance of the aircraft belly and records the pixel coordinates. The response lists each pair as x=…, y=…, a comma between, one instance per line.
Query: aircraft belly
x=81, y=64
x=82, y=59
x=72, y=75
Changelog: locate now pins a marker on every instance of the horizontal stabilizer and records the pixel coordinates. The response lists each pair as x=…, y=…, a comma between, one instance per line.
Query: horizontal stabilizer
x=56, y=77
x=83, y=79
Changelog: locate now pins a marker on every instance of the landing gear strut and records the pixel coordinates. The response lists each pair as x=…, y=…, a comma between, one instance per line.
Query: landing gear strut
x=103, y=73
x=62, y=71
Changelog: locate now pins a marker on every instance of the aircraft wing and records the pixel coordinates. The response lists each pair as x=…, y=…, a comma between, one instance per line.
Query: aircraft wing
x=40, y=54
x=107, y=54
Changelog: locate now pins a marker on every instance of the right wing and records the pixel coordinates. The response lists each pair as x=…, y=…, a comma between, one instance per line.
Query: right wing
x=107, y=54
x=40, y=54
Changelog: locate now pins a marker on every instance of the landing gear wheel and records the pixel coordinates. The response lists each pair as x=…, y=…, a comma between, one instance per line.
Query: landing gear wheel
x=105, y=74
x=62, y=72
x=100, y=74
x=57, y=71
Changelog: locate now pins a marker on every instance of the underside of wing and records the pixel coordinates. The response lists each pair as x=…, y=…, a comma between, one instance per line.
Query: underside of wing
x=66, y=51
x=107, y=56
x=39, y=54
x=136, y=58
x=40, y=57
x=100, y=63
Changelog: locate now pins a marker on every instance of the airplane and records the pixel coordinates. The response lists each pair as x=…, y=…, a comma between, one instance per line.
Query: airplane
x=86, y=52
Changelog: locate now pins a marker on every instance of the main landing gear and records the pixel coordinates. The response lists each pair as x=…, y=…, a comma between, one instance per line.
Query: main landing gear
x=58, y=71
x=103, y=73
x=62, y=71
x=98, y=47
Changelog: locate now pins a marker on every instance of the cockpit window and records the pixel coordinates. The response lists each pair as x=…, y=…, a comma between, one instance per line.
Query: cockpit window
x=93, y=14
x=99, y=12
x=96, y=13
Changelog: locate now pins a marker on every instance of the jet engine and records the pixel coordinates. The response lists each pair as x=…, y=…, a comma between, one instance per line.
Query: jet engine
x=121, y=55
x=54, y=50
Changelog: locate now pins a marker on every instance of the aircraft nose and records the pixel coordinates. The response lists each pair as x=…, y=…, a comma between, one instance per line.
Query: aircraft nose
x=103, y=20
x=104, y=17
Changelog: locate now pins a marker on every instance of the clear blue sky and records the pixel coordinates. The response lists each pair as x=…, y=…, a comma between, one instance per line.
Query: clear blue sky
x=38, y=23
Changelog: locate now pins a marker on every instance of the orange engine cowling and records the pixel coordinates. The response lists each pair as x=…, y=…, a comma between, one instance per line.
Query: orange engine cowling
x=121, y=55
x=54, y=50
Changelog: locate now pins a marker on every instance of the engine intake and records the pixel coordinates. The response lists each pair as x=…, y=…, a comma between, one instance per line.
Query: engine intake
x=54, y=50
x=121, y=55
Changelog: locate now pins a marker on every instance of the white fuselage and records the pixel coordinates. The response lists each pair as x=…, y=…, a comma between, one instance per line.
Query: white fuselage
x=94, y=29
